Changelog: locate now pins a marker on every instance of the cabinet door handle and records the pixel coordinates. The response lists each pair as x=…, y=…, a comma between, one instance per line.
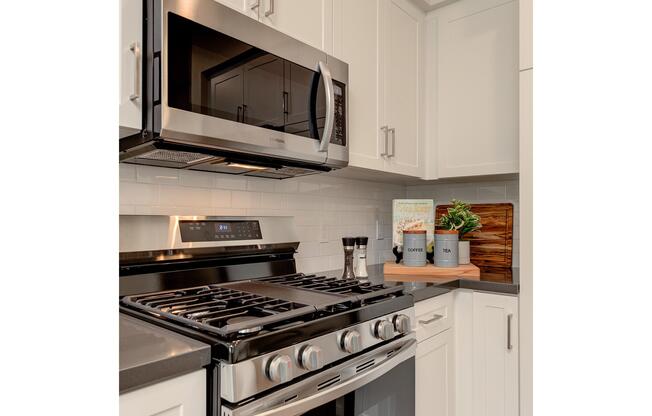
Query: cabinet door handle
x=270, y=11
x=434, y=318
x=384, y=129
x=254, y=6
x=509, y=331
x=393, y=130
x=136, y=50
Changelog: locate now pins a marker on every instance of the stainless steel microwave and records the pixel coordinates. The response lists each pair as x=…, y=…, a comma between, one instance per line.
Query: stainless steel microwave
x=225, y=93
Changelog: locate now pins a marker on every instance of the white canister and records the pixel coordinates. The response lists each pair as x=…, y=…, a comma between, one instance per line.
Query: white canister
x=414, y=248
x=464, y=252
x=446, y=248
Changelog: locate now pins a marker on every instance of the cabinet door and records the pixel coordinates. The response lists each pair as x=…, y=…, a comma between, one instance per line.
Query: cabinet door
x=357, y=42
x=310, y=21
x=434, y=370
x=248, y=7
x=131, y=13
x=524, y=34
x=477, y=66
x=180, y=396
x=495, y=355
x=402, y=83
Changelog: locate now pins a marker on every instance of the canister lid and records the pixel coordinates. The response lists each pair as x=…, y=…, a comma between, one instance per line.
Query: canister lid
x=414, y=231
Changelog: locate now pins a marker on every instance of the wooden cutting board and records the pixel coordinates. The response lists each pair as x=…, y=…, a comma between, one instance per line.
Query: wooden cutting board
x=492, y=244
x=400, y=273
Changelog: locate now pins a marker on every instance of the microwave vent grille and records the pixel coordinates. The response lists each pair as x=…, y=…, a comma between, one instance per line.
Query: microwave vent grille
x=175, y=156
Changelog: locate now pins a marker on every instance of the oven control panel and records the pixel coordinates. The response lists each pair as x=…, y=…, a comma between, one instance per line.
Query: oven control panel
x=222, y=230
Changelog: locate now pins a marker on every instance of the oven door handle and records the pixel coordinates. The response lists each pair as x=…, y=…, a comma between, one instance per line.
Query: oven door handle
x=400, y=354
x=329, y=89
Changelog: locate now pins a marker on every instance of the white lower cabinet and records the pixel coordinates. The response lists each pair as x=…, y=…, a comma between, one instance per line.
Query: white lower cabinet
x=467, y=355
x=495, y=355
x=181, y=396
x=435, y=372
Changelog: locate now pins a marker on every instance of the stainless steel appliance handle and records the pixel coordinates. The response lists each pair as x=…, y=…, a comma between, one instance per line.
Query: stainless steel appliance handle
x=330, y=106
x=384, y=129
x=393, y=130
x=137, y=54
x=434, y=318
x=270, y=11
x=400, y=353
x=509, y=331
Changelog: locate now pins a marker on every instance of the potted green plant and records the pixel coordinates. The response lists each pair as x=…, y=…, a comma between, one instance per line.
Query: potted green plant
x=460, y=218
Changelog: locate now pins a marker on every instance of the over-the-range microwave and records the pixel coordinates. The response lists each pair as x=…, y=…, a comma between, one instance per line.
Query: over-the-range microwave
x=223, y=92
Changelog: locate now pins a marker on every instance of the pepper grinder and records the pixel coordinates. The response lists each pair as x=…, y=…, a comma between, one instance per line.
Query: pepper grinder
x=349, y=247
x=361, y=257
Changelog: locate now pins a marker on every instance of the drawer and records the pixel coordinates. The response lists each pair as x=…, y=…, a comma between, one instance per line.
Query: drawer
x=433, y=316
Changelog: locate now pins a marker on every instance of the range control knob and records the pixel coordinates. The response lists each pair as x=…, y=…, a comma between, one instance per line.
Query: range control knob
x=401, y=323
x=351, y=341
x=311, y=358
x=279, y=368
x=383, y=330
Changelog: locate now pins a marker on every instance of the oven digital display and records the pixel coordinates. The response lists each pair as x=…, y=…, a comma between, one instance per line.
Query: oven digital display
x=198, y=231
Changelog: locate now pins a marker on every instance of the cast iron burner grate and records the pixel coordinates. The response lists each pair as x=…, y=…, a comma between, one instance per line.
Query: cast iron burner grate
x=364, y=291
x=214, y=308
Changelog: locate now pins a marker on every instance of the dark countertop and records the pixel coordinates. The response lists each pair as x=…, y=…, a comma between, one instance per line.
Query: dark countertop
x=497, y=280
x=149, y=354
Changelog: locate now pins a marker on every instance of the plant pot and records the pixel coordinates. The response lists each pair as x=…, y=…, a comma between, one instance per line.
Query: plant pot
x=464, y=252
x=446, y=248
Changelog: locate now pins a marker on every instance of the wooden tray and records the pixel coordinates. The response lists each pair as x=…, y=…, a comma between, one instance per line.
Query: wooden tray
x=492, y=244
x=400, y=273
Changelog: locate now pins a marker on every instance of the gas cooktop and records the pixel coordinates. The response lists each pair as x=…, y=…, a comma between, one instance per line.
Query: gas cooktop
x=240, y=309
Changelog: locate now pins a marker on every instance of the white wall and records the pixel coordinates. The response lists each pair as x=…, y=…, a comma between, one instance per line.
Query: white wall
x=325, y=208
x=474, y=192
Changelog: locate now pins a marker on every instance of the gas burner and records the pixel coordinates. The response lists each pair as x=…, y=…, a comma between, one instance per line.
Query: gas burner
x=245, y=318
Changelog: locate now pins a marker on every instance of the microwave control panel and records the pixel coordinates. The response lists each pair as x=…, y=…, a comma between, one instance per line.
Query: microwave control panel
x=339, y=128
x=198, y=231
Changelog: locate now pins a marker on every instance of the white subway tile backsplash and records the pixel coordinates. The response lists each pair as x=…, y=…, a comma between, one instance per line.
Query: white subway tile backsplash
x=183, y=196
x=220, y=198
x=231, y=182
x=151, y=174
x=245, y=199
x=133, y=193
x=196, y=179
x=273, y=200
x=127, y=172
x=325, y=208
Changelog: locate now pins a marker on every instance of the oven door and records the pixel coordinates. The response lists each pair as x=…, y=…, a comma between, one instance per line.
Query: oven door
x=232, y=83
x=377, y=383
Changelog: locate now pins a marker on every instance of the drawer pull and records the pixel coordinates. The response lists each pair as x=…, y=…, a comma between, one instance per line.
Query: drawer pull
x=434, y=318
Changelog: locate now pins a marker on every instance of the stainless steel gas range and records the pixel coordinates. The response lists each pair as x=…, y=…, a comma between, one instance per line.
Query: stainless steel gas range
x=283, y=343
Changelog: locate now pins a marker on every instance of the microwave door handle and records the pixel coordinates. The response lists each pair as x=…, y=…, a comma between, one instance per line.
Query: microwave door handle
x=330, y=107
x=404, y=352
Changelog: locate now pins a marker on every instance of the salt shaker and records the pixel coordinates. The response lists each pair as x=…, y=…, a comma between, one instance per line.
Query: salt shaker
x=361, y=257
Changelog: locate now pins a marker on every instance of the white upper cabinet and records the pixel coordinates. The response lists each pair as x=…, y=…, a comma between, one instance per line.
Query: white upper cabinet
x=357, y=42
x=403, y=69
x=248, y=7
x=525, y=34
x=382, y=42
x=310, y=21
x=130, y=59
x=495, y=355
x=475, y=49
